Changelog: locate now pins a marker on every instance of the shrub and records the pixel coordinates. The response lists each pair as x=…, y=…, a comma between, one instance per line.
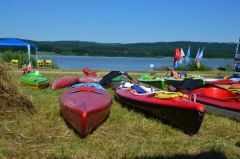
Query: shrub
x=193, y=67
x=22, y=58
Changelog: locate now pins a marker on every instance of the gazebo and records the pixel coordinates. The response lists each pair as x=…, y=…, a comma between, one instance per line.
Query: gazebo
x=13, y=42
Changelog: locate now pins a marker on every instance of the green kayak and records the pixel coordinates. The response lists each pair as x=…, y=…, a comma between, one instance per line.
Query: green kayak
x=172, y=80
x=35, y=80
x=152, y=80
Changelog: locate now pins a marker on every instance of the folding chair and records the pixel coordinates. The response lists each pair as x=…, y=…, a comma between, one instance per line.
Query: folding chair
x=14, y=62
x=48, y=63
x=40, y=63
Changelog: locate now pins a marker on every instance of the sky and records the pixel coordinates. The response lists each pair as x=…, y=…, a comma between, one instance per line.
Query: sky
x=121, y=21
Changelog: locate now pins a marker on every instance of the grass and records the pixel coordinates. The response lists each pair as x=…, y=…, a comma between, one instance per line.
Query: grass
x=126, y=133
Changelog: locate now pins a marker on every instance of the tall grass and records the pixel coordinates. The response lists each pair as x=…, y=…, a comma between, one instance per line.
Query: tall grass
x=190, y=67
x=22, y=58
x=11, y=100
x=193, y=67
x=127, y=133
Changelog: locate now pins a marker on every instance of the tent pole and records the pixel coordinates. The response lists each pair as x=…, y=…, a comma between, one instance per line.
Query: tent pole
x=29, y=54
x=37, y=57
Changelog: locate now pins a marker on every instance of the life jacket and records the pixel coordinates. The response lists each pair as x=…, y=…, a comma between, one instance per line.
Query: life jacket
x=175, y=74
x=169, y=95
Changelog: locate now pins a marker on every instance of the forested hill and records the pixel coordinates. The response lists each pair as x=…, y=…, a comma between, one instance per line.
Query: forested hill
x=157, y=49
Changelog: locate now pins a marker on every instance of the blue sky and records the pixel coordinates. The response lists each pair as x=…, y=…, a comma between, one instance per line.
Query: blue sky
x=121, y=21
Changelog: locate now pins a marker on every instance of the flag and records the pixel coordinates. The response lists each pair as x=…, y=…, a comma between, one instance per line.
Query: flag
x=238, y=49
x=177, y=57
x=175, y=64
x=237, y=57
x=187, y=58
x=182, y=53
x=182, y=56
x=199, y=55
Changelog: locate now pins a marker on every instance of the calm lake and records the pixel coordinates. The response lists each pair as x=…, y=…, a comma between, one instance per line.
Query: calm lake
x=121, y=63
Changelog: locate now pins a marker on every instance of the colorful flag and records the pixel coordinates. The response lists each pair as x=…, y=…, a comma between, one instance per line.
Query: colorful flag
x=187, y=58
x=182, y=53
x=182, y=56
x=199, y=55
x=238, y=50
x=177, y=57
x=237, y=57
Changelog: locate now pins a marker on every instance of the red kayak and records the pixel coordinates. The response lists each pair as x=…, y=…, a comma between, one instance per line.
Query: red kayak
x=85, y=108
x=64, y=82
x=180, y=112
x=219, y=101
x=222, y=82
x=86, y=71
x=90, y=79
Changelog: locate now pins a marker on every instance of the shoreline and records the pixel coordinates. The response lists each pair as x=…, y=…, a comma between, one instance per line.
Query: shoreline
x=130, y=57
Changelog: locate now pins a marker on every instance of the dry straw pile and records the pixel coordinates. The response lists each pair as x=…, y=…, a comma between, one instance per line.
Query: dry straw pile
x=10, y=100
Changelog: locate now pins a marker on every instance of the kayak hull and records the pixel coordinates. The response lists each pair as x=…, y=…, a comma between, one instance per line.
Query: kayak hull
x=34, y=80
x=158, y=83
x=171, y=80
x=219, y=101
x=64, y=82
x=222, y=82
x=85, y=110
x=90, y=79
x=183, y=114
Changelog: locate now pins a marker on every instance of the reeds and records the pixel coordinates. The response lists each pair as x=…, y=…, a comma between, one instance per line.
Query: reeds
x=11, y=101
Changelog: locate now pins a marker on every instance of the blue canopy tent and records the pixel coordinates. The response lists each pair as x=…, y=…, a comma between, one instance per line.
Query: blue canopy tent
x=12, y=42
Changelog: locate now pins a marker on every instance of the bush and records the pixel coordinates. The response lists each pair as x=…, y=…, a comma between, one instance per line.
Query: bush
x=54, y=66
x=193, y=67
x=22, y=58
x=229, y=68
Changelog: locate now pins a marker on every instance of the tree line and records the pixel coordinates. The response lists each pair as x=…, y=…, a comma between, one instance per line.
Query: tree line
x=157, y=49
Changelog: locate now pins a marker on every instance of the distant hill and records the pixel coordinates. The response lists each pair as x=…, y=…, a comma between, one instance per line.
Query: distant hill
x=157, y=49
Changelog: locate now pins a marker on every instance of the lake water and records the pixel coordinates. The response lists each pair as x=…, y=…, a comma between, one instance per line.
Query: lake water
x=121, y=63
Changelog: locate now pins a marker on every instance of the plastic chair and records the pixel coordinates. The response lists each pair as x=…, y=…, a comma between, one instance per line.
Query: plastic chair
x=48, y=63
x=40, y=63
x=14, y=62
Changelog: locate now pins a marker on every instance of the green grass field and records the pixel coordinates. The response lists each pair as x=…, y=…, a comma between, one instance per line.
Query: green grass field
x=126, y=133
